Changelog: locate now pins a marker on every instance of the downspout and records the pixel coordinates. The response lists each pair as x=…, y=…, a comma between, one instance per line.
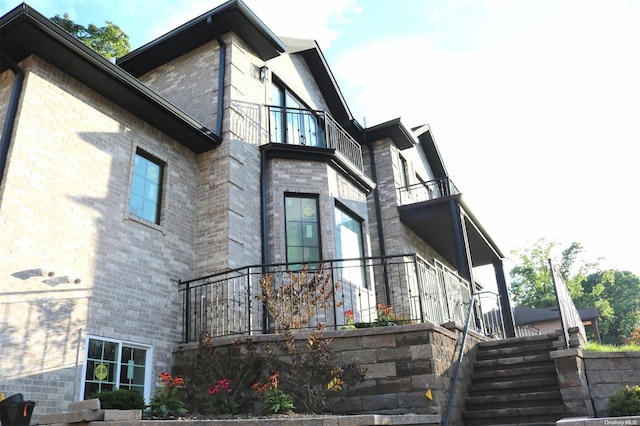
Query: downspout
x=12, y=111
x=221, y=74
x=376, y=199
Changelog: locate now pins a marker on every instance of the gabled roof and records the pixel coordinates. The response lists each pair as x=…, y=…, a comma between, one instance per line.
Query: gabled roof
x=233, y=16
x=325, y=80
x=430, y=148
x=25, y=32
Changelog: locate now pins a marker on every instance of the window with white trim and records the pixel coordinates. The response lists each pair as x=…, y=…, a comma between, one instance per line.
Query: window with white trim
x=114, y=364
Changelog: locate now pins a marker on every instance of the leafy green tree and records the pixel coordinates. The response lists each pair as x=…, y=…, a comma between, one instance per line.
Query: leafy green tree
x=109, y=41
x=531, y=283
x=614, y=293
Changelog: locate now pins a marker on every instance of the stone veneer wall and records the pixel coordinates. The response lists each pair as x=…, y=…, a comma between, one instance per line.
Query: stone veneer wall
x=609, y=372
x=401, y=361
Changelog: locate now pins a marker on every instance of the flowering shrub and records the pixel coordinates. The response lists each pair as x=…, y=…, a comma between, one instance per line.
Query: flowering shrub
x=273, y=398
x=349, y=320
x=165, y=402
x=222, y=400
x=385, y=316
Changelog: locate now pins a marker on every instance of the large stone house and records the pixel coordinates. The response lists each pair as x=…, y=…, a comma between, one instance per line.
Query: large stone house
x=216, y=148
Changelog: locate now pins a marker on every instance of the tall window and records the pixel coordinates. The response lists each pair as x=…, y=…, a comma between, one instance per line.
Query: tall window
x=302, y=229
x=291, y=121
x=404, y=172
x=349, y=246
x=116, y=365
x=146, y=187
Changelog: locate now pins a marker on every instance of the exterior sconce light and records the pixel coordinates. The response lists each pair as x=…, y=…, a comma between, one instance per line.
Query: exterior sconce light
x=264, y=73
x=73, y=280
x=44, y=272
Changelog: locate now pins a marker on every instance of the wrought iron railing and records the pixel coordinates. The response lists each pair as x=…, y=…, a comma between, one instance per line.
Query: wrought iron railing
x=312, y=128
x=424, y=191
x=229, y=303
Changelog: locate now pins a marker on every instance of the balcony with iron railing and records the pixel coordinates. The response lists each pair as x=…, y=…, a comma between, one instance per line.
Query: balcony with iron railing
x=313, y=129
x=425, y=191
x=233, y=302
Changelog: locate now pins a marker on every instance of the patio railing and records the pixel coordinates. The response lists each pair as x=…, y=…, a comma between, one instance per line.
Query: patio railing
x=230, y=303
x=425, y=191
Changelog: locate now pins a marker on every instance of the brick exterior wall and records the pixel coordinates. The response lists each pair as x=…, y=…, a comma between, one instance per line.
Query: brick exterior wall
x=64, y=206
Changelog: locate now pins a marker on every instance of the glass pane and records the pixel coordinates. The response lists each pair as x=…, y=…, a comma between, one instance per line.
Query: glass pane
x=310, y=235
x=145, y=189
x=308, y=210
x=294, y=234
x=294, y=254
x=292, y=208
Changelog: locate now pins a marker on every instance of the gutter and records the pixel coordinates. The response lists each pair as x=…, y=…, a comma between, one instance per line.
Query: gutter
x=12, y=110
x=221, y=74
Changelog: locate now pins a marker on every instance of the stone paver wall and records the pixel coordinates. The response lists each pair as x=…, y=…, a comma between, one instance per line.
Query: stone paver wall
x=609, y=372
x=401, y=361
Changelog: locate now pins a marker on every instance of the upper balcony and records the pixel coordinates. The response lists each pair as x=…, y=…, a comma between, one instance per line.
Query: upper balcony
x=300, y=133
x=312, y=128
x=434, y=210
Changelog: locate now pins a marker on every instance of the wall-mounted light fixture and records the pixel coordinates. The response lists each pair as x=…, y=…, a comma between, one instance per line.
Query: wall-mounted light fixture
x=45, y=272
x=264, y=73
x=73, y=280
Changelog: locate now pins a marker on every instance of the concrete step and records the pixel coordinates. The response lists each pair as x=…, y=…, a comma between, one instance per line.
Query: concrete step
x=509, y=351
x=521, y=415
x=514, y=400
x=512, y=362
x=523, y=372
x=544, y=384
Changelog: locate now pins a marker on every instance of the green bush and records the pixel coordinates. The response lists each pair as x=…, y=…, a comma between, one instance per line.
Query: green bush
x=120, y=399
x=625, y=402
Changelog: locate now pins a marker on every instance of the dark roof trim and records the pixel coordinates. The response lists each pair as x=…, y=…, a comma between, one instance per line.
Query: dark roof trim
x=393, y=129
x=25, y=32
x=325, y=79
x=232, y=16
x=481, y=231
x=430, y=148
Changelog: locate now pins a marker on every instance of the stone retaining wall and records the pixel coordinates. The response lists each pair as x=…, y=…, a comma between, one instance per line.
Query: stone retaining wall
x=609, y=372
x=401, y=362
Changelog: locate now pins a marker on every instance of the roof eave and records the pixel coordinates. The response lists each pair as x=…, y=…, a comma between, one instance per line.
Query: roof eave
x=232, y=16
x=25, y=32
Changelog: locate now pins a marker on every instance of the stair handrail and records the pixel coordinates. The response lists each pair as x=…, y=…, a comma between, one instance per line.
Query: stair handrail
x=465, y=333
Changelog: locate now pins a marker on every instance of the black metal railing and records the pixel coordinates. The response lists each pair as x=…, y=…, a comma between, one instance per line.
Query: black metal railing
x=424, y=191
x=356, y=291
x=312, y=128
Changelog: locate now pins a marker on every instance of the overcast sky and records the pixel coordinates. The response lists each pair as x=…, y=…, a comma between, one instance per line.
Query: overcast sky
x=533, y=104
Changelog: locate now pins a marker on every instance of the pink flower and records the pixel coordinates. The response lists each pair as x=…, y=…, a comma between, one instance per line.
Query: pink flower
x=348, y=314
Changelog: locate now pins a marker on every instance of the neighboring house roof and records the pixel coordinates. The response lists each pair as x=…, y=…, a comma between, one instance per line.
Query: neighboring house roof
x=26, y=32
x=233, y=16
x=524, y=315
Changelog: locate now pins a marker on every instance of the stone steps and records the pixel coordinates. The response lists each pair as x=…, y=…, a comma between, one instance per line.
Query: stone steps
x=514, y=383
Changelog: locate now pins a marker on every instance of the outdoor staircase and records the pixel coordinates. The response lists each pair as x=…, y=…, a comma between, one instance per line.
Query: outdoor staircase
x=514, y=383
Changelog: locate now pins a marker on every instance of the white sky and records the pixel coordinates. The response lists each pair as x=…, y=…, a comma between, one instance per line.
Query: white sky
x=533, y=103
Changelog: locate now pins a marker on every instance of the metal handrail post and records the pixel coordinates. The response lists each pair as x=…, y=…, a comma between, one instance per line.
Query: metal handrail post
x=452, y=393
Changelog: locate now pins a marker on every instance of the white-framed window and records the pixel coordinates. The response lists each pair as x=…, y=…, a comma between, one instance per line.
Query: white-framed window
x=116, y=364
x=349, y=245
